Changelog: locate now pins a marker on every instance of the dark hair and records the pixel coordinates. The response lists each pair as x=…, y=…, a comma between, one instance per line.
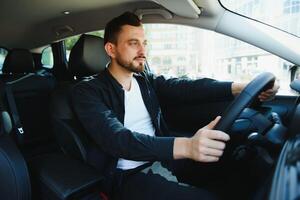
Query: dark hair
x=114, y=26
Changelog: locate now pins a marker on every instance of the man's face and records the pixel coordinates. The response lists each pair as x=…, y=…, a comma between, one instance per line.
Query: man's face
x=129, y=50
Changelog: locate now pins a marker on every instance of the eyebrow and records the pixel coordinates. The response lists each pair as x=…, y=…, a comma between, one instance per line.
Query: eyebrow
x=136, y=40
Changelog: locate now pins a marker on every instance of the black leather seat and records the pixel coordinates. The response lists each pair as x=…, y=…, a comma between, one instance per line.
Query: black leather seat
x=88, y=57
x=31, y=92
x=15, y=181
x=18, y=62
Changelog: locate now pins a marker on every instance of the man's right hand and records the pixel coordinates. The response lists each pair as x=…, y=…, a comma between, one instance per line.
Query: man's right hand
x=207, y=145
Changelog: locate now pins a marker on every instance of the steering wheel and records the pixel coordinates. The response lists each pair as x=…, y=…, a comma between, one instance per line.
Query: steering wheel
x=260, y=83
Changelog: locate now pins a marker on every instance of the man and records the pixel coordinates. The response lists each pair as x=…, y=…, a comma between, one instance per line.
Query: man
x=120, y=111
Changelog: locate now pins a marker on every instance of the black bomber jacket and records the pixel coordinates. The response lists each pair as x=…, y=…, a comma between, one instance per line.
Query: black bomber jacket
x=99, y=106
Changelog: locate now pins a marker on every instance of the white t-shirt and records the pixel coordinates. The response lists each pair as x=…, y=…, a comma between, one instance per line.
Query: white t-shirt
x=136, y=119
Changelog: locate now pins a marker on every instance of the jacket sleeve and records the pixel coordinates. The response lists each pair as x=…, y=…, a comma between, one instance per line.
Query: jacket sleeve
x=109, y=133
x=184, y=90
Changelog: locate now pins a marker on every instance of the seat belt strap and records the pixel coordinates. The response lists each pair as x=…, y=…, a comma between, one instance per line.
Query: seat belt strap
x=13, y=110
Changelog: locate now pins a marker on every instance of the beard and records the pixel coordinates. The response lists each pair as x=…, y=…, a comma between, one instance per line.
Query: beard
x=132, y=66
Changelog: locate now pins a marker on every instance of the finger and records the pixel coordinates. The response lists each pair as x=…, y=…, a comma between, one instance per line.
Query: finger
x=273, y=90
x=266, y=97
x=212, y=152
x=213, y=123
x=268, y=92
x=205, y=158
x=215, y=144
x=217, y=135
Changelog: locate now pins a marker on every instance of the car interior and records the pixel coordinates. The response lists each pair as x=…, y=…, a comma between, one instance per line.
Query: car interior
x=44, y=150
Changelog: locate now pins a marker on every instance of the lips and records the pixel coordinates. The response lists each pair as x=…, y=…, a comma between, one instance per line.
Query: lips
x=140, y=59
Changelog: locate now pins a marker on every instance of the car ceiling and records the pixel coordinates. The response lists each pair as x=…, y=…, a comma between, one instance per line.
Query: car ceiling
x=34, y=23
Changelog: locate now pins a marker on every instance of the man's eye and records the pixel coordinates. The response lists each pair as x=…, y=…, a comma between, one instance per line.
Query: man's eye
x=133, y=43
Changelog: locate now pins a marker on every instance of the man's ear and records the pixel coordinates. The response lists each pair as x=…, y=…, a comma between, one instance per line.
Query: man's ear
x=110, y=49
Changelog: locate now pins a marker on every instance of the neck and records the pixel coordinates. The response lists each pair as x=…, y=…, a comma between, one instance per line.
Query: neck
x=122, y=75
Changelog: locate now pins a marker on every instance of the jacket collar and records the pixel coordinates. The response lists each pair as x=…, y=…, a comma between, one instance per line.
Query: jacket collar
x=114, y=81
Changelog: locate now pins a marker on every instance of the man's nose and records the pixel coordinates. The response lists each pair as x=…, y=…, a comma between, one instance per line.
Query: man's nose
x=142, y=49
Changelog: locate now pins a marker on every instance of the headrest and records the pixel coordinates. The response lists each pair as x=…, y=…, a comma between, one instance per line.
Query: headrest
x=18, y=61
x=88, y=56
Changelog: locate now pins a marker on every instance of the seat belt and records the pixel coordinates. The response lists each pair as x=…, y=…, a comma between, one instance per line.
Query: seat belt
x=14, y=113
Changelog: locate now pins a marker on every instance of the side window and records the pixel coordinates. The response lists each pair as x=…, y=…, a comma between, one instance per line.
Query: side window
x=47, y=58
x=70, y=42
x=3, y=54
x=182, y=51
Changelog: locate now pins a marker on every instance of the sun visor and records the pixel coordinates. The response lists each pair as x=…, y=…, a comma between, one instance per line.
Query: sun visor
x=160, y=12
x=183, y=8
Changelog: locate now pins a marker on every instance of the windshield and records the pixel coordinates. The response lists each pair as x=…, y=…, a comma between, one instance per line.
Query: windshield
x=283, y=14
